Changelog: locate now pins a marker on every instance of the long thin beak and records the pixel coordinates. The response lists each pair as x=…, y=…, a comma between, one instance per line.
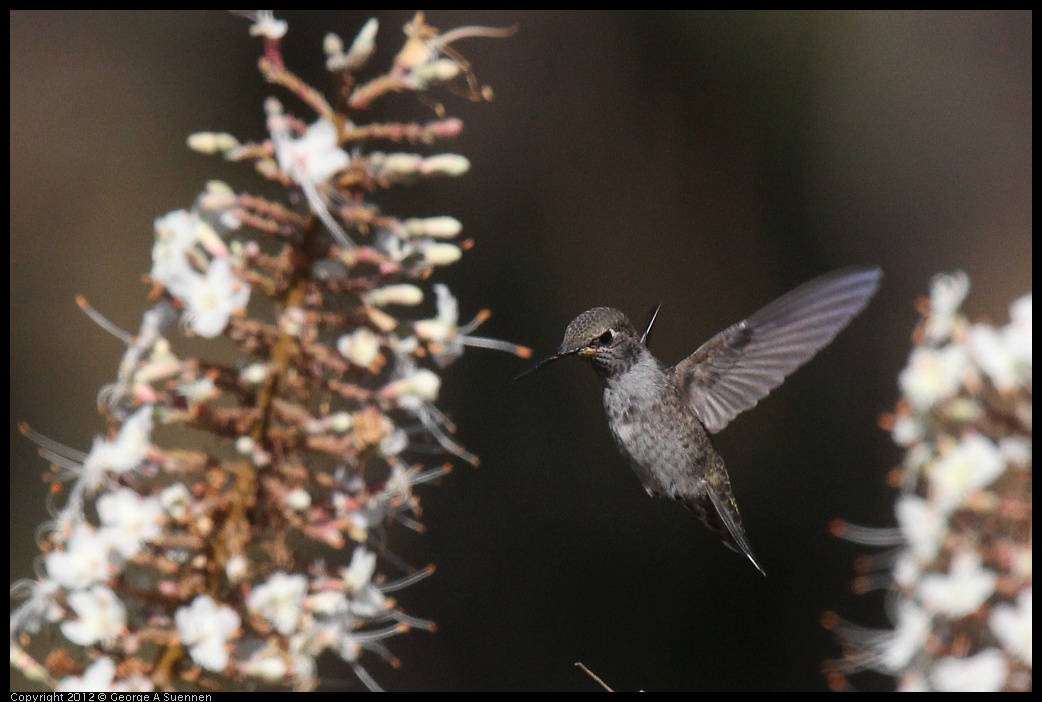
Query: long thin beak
x=555, y=357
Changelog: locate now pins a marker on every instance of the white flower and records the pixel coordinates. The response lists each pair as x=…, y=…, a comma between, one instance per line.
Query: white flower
x=175, y=500
x=361, y=347
x=133, y=441
x=97, y=678
x=910, y=632
x=124, y=453
x=40, y=606
x=443, y=327
x=175, y=236
x=254, y=374
x=328, y=603
x=907, y=430
x=1015, y=451
x=918, y=458
x=88, y=558
x=946, y=295
x=245, y=444
x=211, y=299
x=912, y=682
x=1005, y=355
x=340, y=422
x=921, y=525
x=131, y=519
x=960, y=592
x=933, y=375
x=292, y=321
x=359, y=573
x=907, y=569
x=177, y=233
x=101, y=617
x=267, y=667
x=199, y=391
x=394, y=442
x=315, y=156
x=399, y=483
x=237, y=568
x=984, y=672
x=423, y=383
x=205, y=627
x=264, y=24
x=1012, y=626
x=366, y=599
x=990, y=352
x=1018, y=333
x=280, y=601
x=970, y=465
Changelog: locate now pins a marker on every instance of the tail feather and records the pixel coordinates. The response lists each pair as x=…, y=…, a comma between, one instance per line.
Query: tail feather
x=716, y=508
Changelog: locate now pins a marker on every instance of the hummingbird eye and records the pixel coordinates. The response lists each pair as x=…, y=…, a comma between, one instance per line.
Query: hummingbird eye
x=605, y=338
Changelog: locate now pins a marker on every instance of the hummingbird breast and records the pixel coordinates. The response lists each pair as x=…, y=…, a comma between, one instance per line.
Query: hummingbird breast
x=661, y=438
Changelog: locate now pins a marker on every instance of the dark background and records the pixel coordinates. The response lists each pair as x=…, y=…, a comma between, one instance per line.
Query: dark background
x=709, y=160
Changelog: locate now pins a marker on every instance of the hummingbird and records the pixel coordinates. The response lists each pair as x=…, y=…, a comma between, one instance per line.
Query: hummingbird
x=663, y=419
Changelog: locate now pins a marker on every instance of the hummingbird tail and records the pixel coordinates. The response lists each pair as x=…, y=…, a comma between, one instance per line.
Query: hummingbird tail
x=719, y=512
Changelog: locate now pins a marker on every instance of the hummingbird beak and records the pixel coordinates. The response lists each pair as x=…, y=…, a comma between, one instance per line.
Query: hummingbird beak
x=559, y=355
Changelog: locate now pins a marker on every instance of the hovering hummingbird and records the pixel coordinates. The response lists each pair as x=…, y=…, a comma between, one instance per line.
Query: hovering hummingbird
x=662, y=418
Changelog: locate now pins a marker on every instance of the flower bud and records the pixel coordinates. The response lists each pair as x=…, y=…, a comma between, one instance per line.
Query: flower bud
x=332, y=44
x=445, y=164
x=441, y=254
x=434, y=227
x=298, y=500
x=402, y=294
x=439, y=71
x=363, y=45
x=212, y=142
x=399, y=164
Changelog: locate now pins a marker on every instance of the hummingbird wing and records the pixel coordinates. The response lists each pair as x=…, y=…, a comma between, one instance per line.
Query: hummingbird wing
x=738, y=367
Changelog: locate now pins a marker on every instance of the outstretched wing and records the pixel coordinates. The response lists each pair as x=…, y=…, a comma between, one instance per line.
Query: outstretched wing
x=738, y=367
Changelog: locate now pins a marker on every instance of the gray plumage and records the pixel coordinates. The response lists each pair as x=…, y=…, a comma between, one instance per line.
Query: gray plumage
x=662, y=418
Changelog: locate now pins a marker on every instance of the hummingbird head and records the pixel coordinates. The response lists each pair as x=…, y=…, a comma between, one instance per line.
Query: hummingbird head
x=603, y=336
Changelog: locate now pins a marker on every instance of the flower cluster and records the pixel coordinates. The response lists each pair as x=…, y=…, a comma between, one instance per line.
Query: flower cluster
x=240, y=565
x=960, y=563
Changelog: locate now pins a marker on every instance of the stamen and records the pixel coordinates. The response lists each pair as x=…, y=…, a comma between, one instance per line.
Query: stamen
x=496, y=345
x=366, y=678
x=51, y=446
x=102, y=321
x=468, y=32
x=415, y=622
x=867, y=536
x=318, y=206
x=407, y=581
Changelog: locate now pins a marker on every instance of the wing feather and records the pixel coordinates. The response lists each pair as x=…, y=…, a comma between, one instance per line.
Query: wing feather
x=740, y=366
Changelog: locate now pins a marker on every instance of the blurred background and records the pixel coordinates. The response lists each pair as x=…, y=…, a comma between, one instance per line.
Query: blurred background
x=709, y=160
